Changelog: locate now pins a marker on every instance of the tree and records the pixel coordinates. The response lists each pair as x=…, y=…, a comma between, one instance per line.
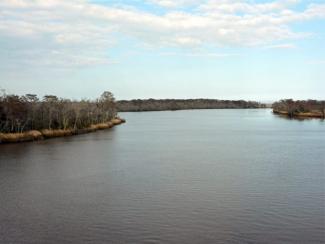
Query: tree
x=106, y=104
x=50, y=108
x=22, y=113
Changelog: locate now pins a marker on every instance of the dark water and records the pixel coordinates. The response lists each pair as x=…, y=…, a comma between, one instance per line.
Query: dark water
x=209, y=176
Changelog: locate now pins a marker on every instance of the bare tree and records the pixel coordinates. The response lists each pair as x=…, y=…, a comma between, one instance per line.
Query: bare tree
x=18, y=114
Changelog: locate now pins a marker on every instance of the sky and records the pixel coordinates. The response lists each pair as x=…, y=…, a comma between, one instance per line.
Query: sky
x=243, y=49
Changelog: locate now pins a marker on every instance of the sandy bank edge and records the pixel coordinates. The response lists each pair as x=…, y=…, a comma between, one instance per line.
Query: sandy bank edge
x=35, y=135
x=301, y=115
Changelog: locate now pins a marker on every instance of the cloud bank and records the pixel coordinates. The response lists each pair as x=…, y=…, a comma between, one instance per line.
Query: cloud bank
x=80, y=33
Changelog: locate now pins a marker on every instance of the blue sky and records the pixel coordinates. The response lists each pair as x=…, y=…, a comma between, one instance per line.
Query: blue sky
x=242, y=49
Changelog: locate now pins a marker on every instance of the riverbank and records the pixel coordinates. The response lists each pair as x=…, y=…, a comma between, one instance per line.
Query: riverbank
x=313, y=114
x=142, y=105
x=35, y=135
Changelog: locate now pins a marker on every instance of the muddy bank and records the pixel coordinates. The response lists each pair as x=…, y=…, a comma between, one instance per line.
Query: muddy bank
x=315, y=114
x=35, y=135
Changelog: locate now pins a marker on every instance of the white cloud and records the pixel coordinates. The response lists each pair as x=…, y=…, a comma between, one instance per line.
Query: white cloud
x=78, y=29
x=282, y=46
x=246, y=7
x=175, y=3
x=200, y=54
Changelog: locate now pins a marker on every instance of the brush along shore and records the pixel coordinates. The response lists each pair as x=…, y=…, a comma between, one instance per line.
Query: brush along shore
x=35, y=135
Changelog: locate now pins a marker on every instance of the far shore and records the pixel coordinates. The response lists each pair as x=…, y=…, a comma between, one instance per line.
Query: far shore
x=142, y=105
x=313, y=114
x=36, y=135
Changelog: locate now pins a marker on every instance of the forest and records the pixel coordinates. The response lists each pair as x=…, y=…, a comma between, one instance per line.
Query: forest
x=25, y=113
x=303, y=108
x=182, y=104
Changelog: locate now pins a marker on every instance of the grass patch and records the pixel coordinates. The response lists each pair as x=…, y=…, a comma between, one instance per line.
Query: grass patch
x=35, y=135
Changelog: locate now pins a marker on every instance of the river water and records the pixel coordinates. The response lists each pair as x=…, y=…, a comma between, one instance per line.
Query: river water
x=200, y=176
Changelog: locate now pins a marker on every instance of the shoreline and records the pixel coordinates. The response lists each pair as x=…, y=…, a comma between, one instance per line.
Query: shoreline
x=184, y=109
x=151, y=104
x=317, y=115
x=36, y=135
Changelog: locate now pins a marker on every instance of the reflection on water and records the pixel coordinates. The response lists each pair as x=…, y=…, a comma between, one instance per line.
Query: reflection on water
x=205, y=176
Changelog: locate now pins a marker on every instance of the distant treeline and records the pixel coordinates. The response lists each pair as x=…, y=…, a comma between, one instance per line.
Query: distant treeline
x=307, y=108
x=23, y=113
x=182, y=104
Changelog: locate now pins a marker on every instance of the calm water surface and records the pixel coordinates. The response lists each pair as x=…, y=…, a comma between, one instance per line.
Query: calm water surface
x=204, y=176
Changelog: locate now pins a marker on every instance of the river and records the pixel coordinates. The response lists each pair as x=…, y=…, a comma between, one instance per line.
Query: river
x=199, y=176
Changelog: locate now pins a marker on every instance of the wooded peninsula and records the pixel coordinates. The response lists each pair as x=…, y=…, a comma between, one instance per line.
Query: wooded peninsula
x=28, y=118
x=300, y=108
